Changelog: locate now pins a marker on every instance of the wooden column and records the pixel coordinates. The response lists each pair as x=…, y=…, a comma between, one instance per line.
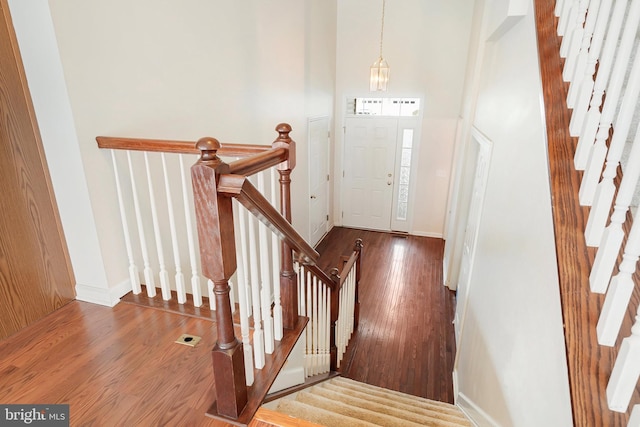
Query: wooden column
x=335, y=311
x=288, y=277
x=214, y=215
x=356, y=314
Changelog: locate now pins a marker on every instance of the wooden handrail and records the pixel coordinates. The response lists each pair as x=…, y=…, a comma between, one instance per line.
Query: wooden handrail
x=182, y=147
x=259, y=162
x=238, y=186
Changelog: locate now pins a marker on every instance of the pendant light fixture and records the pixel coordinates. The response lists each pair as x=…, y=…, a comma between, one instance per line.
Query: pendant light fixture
x=380, y=69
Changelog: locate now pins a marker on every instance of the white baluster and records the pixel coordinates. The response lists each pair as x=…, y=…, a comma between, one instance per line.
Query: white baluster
x=195, y=277
x=634, y=419
x=258, y=334
x=557, y=10
x=134, y=278
x=241, y=256
x=574, y=29
x=321, y=325
x=564, y=19
x=148, y=272
x=626, y=370
x=614, y=87
x=316, y=337
x=164, y=275
x=603, y=56
x=613, y=235
x=179, y=277
x=211, y=294
x=232, y=296
x=309, y=308
x=275, y=256
x=579, y=67
x=265, y=276
x=577, y=38
x=327, y=336
x=620, y=290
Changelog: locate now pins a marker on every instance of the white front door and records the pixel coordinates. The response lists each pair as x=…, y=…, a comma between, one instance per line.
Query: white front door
x=318, y=179
x=369, y=168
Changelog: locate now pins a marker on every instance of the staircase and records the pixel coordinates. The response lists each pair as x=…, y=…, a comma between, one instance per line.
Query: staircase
x=344, y=402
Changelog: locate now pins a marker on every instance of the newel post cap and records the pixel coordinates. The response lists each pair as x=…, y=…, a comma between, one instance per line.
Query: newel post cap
x=208, y=147
x=285, y=141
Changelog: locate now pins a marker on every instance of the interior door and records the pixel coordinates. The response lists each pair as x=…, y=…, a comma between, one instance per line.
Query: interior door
x=35, y=272
x=318, y=178
x=473, y=225
x=369, y=166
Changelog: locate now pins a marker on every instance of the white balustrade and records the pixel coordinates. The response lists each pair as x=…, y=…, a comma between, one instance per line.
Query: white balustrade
x=164, y=274
x=591, y=92
x=243, y=273
x=626, y=370
x=193, y=260
x=573, y=36
x=565, y=16
x=604, y=191
x=265, y=278
x=581, y=36
x=620, y=290
x=557, y=10
x=258, y=334
x=148, y=272
x=587, y=44
x=134, y=278
x=179, y=277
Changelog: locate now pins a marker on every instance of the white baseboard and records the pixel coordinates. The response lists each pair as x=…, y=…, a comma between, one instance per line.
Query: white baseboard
x=108, y=297
x=477, y=416
x=427, y=234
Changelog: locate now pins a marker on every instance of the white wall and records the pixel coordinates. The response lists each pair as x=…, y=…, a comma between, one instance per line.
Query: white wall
x=183, y=70
x=511, y=367
x=425, y=43
x=36, y=38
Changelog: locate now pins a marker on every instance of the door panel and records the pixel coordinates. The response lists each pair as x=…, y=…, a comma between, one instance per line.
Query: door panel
x=35, y=272
x=370, y=149
x=318, y=179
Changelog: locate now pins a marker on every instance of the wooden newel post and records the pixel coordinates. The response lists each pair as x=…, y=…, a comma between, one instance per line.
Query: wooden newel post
x=288, y=278
x=335, y=308
x=214, y=215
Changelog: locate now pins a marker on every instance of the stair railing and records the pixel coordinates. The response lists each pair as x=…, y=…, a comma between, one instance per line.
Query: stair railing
x=332, y=305
x=618, y=82
x=254, y=249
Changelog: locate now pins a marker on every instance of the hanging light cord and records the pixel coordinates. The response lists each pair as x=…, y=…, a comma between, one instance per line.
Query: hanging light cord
x=382, y=28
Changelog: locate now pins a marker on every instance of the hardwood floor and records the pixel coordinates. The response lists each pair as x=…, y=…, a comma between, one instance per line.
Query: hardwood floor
x=405, y=340
x=113, y=366
x=120, y=366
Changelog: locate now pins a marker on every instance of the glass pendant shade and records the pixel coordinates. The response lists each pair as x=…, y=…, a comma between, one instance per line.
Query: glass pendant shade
x=379, y=75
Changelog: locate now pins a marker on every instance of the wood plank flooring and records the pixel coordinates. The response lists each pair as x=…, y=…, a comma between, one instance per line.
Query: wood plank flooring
x=405, y=340
x=589, y=363
x=120, y=366
x=114, y=366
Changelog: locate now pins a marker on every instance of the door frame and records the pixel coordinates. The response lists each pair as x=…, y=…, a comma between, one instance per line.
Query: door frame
x=414, y=163
x=328, y=172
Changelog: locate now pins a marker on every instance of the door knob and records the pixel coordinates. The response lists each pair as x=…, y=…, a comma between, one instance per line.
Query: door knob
x=389, y=175
x=388, y=182
x=313, y=197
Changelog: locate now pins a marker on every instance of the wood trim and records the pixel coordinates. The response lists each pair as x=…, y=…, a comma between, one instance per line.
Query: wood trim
x=182, y=147
x=589, y=363
x=309, y=382
x=259, y=162
x=239, y=186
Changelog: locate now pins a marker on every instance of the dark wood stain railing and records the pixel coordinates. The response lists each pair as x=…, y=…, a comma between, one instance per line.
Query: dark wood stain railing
x=215, y=184
x=589, y=363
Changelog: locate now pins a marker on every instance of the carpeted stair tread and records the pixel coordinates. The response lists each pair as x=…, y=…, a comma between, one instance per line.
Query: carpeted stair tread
x=352, y=411
x=395, y=395
x=391, y=407
x=301, y=410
